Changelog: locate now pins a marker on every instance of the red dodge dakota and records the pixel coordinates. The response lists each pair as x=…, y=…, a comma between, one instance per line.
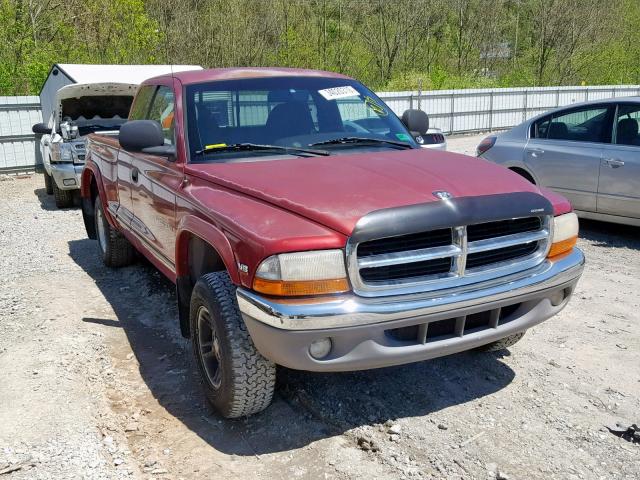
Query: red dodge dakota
x=303, y=226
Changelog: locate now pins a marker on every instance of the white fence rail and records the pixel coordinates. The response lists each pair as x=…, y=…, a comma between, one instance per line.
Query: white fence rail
x=453, y=111
x=476, y=110
x=18, y=150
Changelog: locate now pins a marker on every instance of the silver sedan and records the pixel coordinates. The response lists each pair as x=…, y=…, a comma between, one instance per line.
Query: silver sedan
x=589, y=152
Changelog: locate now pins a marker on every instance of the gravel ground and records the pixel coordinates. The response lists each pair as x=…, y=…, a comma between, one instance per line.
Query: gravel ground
x=97, y=382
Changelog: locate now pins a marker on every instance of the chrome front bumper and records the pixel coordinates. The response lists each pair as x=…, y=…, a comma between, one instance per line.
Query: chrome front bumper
x=359, y=327
x=66, y=175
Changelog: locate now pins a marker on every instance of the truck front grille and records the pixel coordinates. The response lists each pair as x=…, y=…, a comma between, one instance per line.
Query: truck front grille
x=450, y=256
x=415, y=241
x=481, y=259
x=482, y=231
x=406, y=270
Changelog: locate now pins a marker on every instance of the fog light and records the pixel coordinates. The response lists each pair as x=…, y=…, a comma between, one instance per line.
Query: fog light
x=69, y=181
x=320, y=348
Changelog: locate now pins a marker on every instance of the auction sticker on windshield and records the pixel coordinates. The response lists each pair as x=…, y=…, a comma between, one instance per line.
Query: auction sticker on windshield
x=338, y=92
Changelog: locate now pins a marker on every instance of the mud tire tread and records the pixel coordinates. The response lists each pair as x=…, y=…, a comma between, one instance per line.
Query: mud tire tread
x=248, y=378
x=63, y=198
x=503, y=343
x=119, y=252
x=48, y=183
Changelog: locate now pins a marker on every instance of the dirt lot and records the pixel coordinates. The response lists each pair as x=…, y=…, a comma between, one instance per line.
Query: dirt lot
x=96, y=381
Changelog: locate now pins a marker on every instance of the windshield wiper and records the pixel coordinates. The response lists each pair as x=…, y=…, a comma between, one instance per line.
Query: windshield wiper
x=257, y=146
x=337, y=141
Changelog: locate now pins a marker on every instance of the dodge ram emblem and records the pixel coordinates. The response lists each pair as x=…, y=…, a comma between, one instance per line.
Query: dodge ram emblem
x=442, y=194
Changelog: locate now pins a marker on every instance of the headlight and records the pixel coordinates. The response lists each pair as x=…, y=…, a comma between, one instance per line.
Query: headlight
x=302, y=273
x=61, y=152
x=66, y=153
x=565, y=234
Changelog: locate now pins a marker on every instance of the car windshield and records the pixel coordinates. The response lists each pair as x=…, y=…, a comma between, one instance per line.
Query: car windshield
x=309, y=113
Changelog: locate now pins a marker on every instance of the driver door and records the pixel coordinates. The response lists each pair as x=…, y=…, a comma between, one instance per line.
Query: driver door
x=125, y=161
x=157, y=178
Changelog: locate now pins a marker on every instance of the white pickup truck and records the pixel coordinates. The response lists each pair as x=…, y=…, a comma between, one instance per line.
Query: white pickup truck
x=80, y=109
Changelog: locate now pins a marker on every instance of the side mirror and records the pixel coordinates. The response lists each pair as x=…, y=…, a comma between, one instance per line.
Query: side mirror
x=141, y=135
x=41, y=129
x=416, y=121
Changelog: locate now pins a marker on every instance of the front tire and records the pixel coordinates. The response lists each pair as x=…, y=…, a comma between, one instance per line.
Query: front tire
x=238, y=381
x=115, y=249
x=48, y=183
x=63, y=198
x=503, y=343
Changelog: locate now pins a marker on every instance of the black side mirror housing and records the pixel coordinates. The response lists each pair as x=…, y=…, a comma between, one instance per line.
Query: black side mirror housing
x=416, y=121
x=162, y=151
x=138, y=135
x=41, y=129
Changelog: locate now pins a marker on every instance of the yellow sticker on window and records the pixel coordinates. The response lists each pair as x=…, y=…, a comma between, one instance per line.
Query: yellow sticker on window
x=215, y=145
x=376, y=107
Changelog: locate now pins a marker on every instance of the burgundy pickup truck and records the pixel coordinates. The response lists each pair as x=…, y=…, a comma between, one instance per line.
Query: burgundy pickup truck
x=303, y=226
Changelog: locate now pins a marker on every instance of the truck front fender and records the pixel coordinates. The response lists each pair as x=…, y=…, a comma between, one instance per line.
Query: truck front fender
x=193, y=227
x=189, y=226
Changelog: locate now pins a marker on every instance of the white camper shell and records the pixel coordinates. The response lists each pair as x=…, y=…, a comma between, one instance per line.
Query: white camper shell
x=81, y=99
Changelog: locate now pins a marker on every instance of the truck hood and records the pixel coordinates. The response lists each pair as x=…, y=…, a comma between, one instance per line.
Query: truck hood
x=77, y=90
x=336, y=191
x=86, y=101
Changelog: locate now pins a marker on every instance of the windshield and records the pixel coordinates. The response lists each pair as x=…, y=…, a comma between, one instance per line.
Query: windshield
x=295, y=112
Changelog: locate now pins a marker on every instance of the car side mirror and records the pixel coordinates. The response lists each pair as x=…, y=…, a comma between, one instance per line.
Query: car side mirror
x=416, y=121
x=144, y=136
x=41, y=129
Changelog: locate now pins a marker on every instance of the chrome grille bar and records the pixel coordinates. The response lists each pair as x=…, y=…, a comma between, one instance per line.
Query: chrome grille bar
x=506, y=241
x=460, y=240
x=409, y=256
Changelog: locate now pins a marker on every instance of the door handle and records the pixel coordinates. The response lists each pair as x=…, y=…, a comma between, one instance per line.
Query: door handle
x=134, y=175
x=534, y=152
x=614, y=163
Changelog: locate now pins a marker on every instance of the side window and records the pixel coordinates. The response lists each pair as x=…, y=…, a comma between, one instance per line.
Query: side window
x=626, y=125
x=162, y=111
x=582, y=125
x=541, y=128
x=140, y=105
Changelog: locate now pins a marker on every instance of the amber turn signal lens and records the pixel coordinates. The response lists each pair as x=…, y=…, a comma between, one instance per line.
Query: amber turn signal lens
x=561, y=247
x=298, y=288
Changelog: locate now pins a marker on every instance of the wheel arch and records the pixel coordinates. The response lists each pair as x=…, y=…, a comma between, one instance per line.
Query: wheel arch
x=89, y=191
x=201, y=248
x=523, y=172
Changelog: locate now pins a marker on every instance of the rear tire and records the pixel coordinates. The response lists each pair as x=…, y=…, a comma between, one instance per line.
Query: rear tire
x=63, y=198
x=502, y=344
x=115, y=249
x=48, y=183
x=238, y=381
